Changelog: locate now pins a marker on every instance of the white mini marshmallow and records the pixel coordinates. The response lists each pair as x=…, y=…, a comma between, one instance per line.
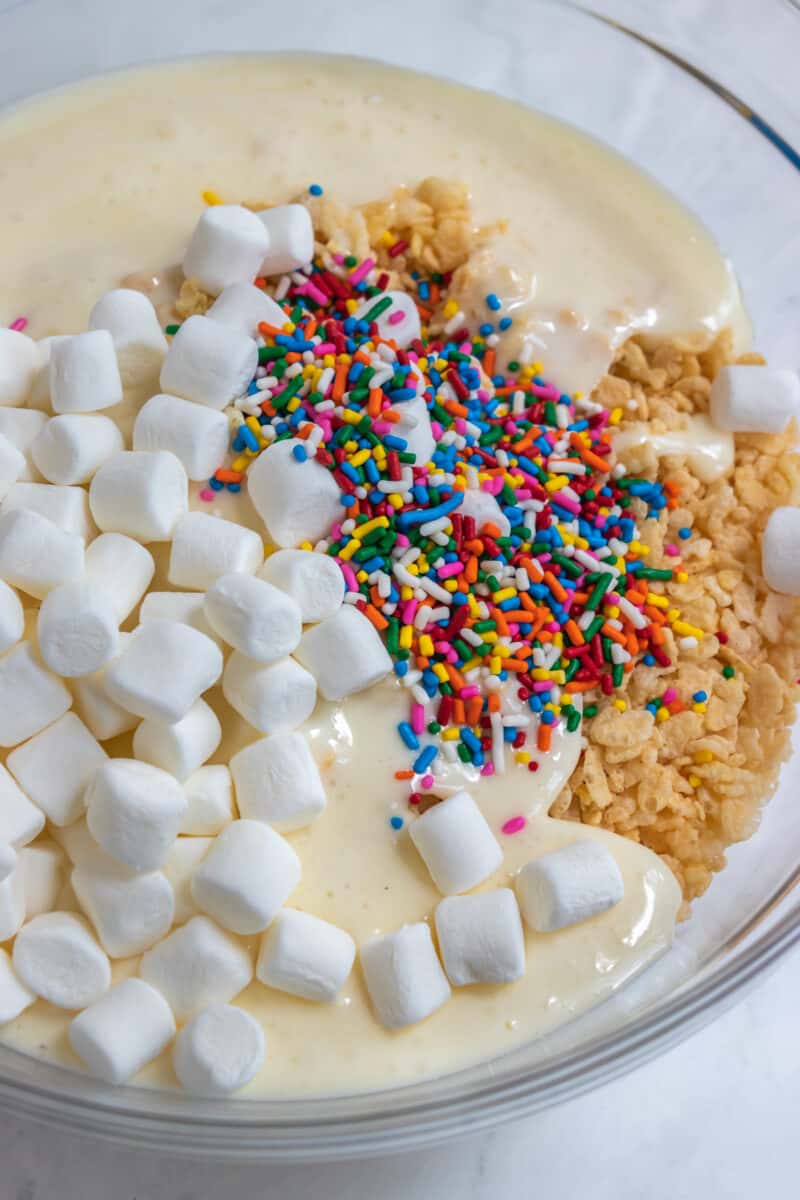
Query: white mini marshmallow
x=484, y=510
x=209, y=800
x=197, y=435
x=305, y=956
x=14, y=996
x=12, y=893
x=43, y=871
x=754, y=399
x=291, y=239
x=569, y=885
x=246, y=876
x=20, y=819
x=142, y=493
x=228, y=246
x=35, y=555
x=186, y=607
x=122, y=1031
x=456, y=844
x=22, y=426
x=102, y=715
x=277, y=781
x=72, y=447
x=481, y=938
x=130, y=913
x=404, y=328
x=313, y=580
x=257, y=619
x=55, y=767
x=345, y=654
x=183, y=746
x=197, y=965
x=30, y=697
x=66, y=507
x=243, y=307
x=181, y=863
x=84, y=375
x=121, y=568
x=297, y=501
x=205, y=547
x=77, y=629
x=403, y=975
x=209, y=362
x=134, y=811
x=218, y=1051
x=12, y=465
x=39, y=397
x=780, y=550
x=57, y=957
x=163, y=670
x=12, y=618
x=131, y=319
x=272, y=697
x=19, y=365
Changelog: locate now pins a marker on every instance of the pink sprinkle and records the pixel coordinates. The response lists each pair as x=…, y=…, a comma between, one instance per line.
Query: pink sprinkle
x=437, y=429
x=207, y=494
x=349, y=575
x=338, y=258
x=487, y=769
x=325, y=348
x=542, y=685
x=566, y=502
x=427, y=781
x=468, y=693
x=361, y=271
x=669, y=695
x=450, y=569
x=396, y=317
x=417, y=718
x=514, y=825
x=19, y=324
x=410, y=611
x=382, y=427
x=310, y=289
x=672, y=550
x=545, y=391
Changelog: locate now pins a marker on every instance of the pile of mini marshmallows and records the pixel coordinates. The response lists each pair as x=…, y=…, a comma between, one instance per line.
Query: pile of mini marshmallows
x=163, y=862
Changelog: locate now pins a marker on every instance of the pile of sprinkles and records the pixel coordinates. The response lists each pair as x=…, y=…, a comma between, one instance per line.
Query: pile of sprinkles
x=498, y=623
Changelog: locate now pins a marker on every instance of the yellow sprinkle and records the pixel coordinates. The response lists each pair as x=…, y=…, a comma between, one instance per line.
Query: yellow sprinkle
x=684, y=629
x=682, y=577
x=305, y=546
x=388, y=238
x=440, y=672
x=360, y=458
x=495, y=664
x=657, y=601
x=490, y=637
x=620, y=704
x=426, y=645
x=616, y=416
x=663, y=714
x=239, y=464
x=703, y=756
x=450, y=309
x=252, y=423
x=558, y=481
x=349, y=550
x=361, y=576
x=611, y=611
x=504, y=594
x=350, y=417
x=694, y=781
x=210, y=197
x=406, y=637
x=406, y=592
x=673, y=614
x=293, y=404
x=375, y=523
x=450, y=735
x=351, y=305
x=699, y=708
x=288, y=327
x=469, y=666
x=395, y=500
x=451, y=585
x=522, y=757
x=329, y=360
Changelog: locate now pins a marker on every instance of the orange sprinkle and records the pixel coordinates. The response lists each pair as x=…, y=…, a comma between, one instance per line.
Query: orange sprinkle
x=500, y=620
x=513, y=664
x=544, y=737
x=488, y=361
x=574, y=687
x=555, y=587
x=492, y=530
x=404, y=774
x=340, y=381
x=456, y=678
x=267, y=330
x=459, y=713
x=455, y=409
x=494, y=702
x=574, y=634
x=474, y=709
x=471, y=570
x=226, y=475
x=374, y=402
x=377, y=618
x=615, y=635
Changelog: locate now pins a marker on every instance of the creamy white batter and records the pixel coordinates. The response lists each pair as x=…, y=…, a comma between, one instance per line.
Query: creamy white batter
x=104, y=179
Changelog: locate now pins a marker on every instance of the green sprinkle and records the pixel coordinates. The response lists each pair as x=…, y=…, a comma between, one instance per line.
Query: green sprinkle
x=728, y=672
x=171, y=329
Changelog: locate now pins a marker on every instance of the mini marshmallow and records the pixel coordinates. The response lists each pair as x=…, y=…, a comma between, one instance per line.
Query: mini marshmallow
x=228, y=246
x=415, y=427
x=35, y=555
x=71, y=448
x=205, y=547
x=77, y=629
x=42, y=868
x=19, y=365
x=257, y=619
x=129, y=913
x=142, y=493
x=399, y=323
x=209, y=362
x=345, y=654
x=246, y=876
x=297, y=501
x=30, y=697
x=12, y=893
x=134, y=811
x=197, y=965
x=197, y=435
x=163, y=670
x=754, y=399
x=132, y=321
x=103, y=716
x=182, y=747
x=186, y=607
x=57, y=957
x=290, y=239
x=181, y=863
x=14, y=996
x=84, y=375
x=218, y=1051
x=55, y=767
x=12, y=618
x=404, y=977
x=456, y=844
x=313, y=580
x=122, y=1031
x=121, y=568
x=780, y=550
x=20, y=820
x=242, y=306
x=66, y=507
x=22, y=426
x=39, y=397
x=277, y=781
x=481, y=938
x=12, y=465
x=484, y=510
x=209, y=800
x=305, y=956
x=569, y=885
x=272, y=697
x=83, y=851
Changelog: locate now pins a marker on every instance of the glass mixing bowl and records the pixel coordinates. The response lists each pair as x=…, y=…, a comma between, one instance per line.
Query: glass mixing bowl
x=658, y=93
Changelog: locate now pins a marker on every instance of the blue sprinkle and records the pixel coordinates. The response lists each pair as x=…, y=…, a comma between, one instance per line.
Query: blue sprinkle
x=485, y=329
x=548, y=717
x=424, y=760
x=684, y=533
x=395, y=443
x=493, y=302
x=315, y=189
x=247, y=436
x=504, y=323
x=408, y=735
x=700, y=697
x=401, y=669
x=299, y=453
x=234, y=487
x=216, y=484
x=346, y=501
x=396, y=822
x=648, y=660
